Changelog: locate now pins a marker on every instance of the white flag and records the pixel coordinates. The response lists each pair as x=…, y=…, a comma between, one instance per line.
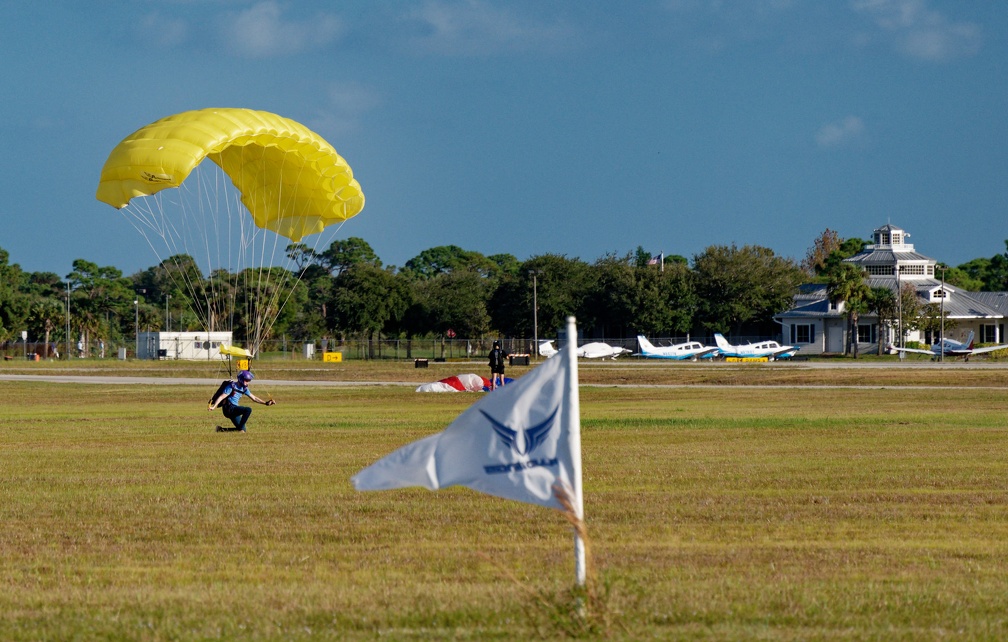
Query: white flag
x=516, y=442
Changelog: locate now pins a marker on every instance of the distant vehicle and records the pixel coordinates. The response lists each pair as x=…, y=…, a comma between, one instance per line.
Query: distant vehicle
x=594, y=350
x=953, y=348
x=691, y=350
x=769, y=350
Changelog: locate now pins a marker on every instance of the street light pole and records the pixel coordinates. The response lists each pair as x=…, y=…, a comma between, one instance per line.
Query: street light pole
x=535, y=312
x=941, y=356
x=68, y=321
x=136, y=326
x=899, y=313
x=167, y=319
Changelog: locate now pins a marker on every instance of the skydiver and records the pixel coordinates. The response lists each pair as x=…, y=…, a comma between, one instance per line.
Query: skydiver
x=496, y=365
x=230, y=395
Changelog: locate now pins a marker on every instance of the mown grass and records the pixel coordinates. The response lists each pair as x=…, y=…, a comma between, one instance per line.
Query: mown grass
x=714, y=513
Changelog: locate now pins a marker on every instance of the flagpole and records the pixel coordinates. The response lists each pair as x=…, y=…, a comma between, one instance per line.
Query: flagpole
x=573, y=419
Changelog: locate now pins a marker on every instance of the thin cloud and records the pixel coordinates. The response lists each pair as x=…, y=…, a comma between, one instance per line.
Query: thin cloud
x=264, y=31
x=920, y=32
x=166, y=32
x=346, y=104
x=840, y=133
x=474, y=27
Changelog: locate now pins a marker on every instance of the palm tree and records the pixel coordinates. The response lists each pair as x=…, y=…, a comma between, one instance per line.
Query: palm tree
x=847, y=283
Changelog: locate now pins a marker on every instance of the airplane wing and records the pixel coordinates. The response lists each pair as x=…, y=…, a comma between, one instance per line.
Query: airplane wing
x=986, y=349
x=706, y=352
x=919, y=351
x=784, y=350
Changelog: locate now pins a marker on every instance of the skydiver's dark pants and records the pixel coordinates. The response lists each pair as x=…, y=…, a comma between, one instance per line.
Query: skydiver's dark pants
x=237, y=414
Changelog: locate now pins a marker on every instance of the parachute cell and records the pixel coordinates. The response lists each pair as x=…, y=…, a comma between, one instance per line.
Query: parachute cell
x=290, y=179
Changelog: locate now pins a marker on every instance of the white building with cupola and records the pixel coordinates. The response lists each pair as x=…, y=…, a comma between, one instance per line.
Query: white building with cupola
x=818, y=325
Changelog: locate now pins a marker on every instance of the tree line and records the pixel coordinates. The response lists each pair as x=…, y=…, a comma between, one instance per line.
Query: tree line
x=345, y=291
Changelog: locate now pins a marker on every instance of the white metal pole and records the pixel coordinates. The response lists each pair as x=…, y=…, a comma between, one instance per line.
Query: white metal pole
x=573, y=420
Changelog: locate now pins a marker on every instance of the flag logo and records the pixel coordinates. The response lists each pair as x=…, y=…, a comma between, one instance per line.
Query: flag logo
x=532, y=436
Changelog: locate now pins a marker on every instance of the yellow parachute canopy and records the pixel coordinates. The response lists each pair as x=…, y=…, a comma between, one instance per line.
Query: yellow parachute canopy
x=291, y=180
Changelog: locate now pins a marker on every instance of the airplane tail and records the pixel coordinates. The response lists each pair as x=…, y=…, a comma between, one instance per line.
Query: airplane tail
x=721, y=341
x=546, y=349
x=969, y=340
x=645, y=345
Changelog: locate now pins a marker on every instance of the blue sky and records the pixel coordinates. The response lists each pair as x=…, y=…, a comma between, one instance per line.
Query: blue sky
x=532, y=127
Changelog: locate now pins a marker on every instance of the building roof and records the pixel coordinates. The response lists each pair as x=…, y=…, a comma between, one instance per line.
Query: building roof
x=995, y=303
x=812, y=300
x=889, y=227
x=887, y=256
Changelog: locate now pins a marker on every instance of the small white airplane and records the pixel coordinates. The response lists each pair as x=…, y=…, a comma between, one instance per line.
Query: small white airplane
x=546, y=349
x=953, y=348
x=594, y=350
x=770, y=350
x=599, y=350
x=692, y=350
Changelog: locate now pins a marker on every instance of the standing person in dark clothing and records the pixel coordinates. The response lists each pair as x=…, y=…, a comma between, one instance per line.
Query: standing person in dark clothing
x=497, y=356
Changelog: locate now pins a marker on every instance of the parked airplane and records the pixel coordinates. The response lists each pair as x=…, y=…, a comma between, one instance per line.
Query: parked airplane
x=690, y=350
x=599, y=350
x=594, y=350
x=546, y=349
x=953, y=348
x=764, y=349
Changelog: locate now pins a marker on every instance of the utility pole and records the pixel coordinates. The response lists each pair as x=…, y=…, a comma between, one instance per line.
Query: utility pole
x=535, y=312
x=941, y=356
x=899, y=312
x=68, y=321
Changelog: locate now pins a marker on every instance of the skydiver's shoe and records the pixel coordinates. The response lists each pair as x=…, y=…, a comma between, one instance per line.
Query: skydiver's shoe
x=221, y=428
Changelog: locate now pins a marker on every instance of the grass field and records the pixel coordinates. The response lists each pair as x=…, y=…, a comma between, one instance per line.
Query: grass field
x=715, y=513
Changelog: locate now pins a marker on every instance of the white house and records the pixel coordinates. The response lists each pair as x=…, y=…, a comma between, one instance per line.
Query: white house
x=818, y=326
x=181, y=345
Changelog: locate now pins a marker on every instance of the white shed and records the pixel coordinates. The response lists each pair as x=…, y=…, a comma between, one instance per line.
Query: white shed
x=191, y=346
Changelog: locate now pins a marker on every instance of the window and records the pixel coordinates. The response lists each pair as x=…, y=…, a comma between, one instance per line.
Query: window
x=939, y=294
x=867, y=332
x=988, y=333
x=802, y=333
x=880, y=270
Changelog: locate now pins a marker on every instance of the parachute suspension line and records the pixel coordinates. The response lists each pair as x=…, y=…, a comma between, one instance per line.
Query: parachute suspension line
x=191, y=233
x=234, y=212
x=183, y=236
x=276, y=280
x=144, y=219
x=299, y=273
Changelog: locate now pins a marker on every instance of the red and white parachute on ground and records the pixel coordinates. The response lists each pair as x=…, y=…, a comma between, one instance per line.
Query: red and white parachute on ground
x=459, y=383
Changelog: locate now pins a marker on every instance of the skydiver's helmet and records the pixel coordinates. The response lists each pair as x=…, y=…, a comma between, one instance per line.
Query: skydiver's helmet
x=245, y=376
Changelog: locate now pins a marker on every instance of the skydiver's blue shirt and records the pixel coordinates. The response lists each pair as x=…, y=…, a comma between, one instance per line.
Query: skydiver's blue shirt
x=235, y=392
